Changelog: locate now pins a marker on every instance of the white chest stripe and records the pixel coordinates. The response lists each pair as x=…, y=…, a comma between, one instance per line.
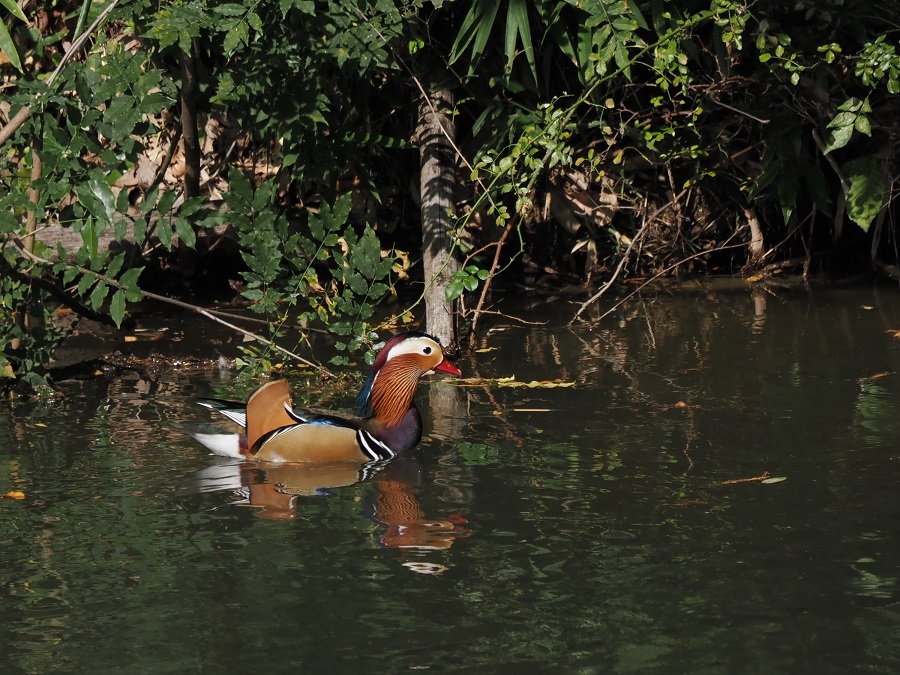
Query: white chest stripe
x=372, y=447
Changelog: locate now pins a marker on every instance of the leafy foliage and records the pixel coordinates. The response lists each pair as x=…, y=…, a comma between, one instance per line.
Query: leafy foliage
x=325, y=273
x=595, y=114
x=727, y=116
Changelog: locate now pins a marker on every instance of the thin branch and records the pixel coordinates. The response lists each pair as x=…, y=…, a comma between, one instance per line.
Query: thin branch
x=487, y=282
x=514, y=318
x=653, y=216
x=656, y=276
x=184, y=305
x=209, y=315
x=265, y=322
x=738, y=111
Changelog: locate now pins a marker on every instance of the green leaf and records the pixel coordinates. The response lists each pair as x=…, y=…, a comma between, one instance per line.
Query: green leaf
x=786, y=190
x=638, y=17
x=129, y=282
x=8, y=47
x=121, y=117
x=115, y=266
x=240, y=185
x=69, y=275
x=185, y=232
x=117, y=308
x=235, y=37
x=454, y=290
x=90, y=237
x=475, y=30
x=867, y=190
x=123, y=201
x=340, y=212
x=151, y=104
x=165, y=202
x=85, y=283
x=164, y=232
x=14, y=9
x=517, y=25
x=377, y=290
x=838, y=138
x=230, y=9
x=98, y=198
x=140, y=231
x=99, y=295
x=149, y=200
x=358, y=284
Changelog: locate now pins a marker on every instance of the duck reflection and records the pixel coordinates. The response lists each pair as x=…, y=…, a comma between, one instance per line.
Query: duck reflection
x=392, y=502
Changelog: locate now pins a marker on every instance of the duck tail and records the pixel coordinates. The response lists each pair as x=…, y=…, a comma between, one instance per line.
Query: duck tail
x=236, y=412
x=223, y=444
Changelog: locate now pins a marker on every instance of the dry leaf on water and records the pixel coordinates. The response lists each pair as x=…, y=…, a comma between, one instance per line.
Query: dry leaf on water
x=510, y=382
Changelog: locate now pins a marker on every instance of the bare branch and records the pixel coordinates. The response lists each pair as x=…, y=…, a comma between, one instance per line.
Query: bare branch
x=184, y=305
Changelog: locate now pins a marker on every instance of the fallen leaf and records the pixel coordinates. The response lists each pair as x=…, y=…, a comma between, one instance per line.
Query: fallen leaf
x=776, y=479
x=754, y=277
x=485, y=350
x=15, y=494
x=866, y=307
x=745, y=480
x=130, y=338
x=545, y=384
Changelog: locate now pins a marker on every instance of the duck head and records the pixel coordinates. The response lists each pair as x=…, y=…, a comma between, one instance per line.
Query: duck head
x=387, y=395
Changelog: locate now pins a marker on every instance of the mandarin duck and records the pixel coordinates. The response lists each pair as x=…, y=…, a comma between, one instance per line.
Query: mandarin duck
x=389, y=420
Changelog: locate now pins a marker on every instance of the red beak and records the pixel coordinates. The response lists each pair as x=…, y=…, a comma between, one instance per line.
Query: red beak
x=447, y=367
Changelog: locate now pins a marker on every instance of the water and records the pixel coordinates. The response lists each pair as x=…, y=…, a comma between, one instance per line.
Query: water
x=594, y=528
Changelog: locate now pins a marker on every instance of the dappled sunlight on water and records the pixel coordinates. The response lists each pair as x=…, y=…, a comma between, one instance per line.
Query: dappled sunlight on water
x=702, y=483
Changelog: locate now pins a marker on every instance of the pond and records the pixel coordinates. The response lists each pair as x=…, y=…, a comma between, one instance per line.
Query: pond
x=703, y=483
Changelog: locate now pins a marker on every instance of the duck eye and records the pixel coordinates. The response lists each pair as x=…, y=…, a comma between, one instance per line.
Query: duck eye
x=426, y=350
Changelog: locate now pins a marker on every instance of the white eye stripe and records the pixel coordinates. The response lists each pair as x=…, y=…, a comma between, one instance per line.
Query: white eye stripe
x=414, y=345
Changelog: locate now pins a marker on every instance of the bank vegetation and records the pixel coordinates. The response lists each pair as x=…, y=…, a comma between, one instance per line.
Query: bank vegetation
x=320, y=158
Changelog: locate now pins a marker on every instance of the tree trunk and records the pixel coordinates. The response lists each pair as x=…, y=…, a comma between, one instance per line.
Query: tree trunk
x=438, y=182
x=189, y=89
x=187, y=258
x=757, y=242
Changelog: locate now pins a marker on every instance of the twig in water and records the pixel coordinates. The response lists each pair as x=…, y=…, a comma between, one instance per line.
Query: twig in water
x=590, y=301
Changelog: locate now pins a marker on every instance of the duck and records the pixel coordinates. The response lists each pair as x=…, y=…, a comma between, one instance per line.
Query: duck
x=388, y=424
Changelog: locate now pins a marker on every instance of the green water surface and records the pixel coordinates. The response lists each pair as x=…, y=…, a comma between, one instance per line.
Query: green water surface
x=603, y=527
